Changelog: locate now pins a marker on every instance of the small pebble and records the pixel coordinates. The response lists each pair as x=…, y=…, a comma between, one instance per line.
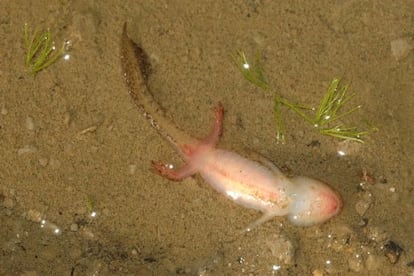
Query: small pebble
x=363, y=204
x=259, y=38
x=67, y=119
x=29, y=123
x=87, y=234
x=69, y=149
x=8, y=203
x=361, y=207
x=132, y=168
x=4, y=110
x=317, y=272
x=401, y=47
x=43, y=162
x=26, y=149
x=281, y=248
x=34, y=215
x=74, y=227
x=363, y=222
x=376, y=234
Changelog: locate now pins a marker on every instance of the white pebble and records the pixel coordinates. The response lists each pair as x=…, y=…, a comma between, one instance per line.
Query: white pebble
x=281, y=249
x=34, y=215
x=317, y=272
x=67, y=119
x=8, y=203
x=3, y=110
x=74, y=227
x=29, y=123
x=363, y=204
x=86, y=233
x=26, y=149
x=43, y=162
x=132, y=168
x=361, y=207
x=401, y=47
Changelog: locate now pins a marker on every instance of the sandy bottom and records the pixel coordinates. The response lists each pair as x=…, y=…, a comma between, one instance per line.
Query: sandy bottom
x=78, y=197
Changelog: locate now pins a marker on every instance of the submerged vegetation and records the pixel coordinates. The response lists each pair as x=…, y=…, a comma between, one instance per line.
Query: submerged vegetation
x=40, y=50
x=90, y=203
x=326, y=118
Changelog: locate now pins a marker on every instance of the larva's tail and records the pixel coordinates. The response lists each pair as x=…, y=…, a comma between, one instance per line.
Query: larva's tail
x=136, y=69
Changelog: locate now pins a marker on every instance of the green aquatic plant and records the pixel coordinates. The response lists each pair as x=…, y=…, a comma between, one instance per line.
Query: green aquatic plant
x=253, y=72
x=40, y=50
x=90, y=203
x=325, y=118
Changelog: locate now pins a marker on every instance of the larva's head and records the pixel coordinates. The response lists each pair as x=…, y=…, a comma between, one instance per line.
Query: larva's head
x=313, y=202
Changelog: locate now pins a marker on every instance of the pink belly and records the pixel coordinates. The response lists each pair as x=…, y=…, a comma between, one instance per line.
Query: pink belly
x=246, y=182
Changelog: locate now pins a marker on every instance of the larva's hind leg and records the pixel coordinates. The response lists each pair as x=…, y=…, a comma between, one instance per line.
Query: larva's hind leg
x=173, y=174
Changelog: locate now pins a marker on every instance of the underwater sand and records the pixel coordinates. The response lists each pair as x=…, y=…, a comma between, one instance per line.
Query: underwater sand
x=78, y=197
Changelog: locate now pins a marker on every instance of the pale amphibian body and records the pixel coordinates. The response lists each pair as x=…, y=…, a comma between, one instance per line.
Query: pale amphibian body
x=254, y=184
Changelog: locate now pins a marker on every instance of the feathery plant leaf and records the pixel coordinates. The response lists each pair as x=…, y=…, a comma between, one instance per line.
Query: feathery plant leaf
x=280, y=127
x=329, y=109
x=40, y=50
x=251, y=71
